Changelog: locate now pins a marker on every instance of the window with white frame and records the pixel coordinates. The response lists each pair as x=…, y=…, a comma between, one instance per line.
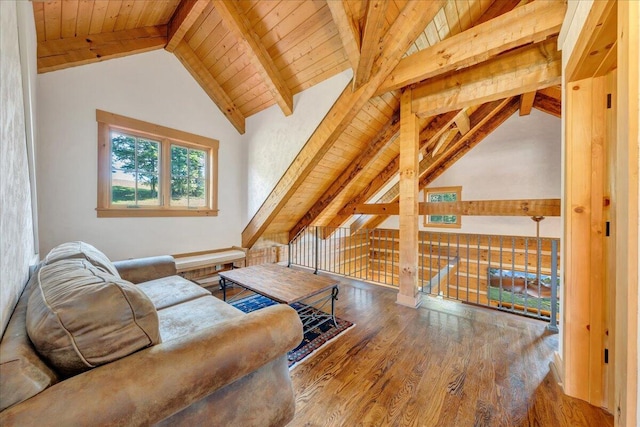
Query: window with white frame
x=150, y=170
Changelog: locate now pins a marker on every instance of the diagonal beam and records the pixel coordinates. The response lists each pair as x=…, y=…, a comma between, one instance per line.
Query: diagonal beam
x=183, y=18
x=412, y=20
x=548, y=104
x=348, y=30
x=463, y=123
x=371, y=40
x=524, y=70
x=527, y=24
x=485, y=120
x=238, y=24
x=70, y=52
x=201, y=74
x=436, y=127
x=376, y=146
x=526, y=103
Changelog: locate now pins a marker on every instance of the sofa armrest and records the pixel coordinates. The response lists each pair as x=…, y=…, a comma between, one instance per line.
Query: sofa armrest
x=154, y=383
x=140, y=270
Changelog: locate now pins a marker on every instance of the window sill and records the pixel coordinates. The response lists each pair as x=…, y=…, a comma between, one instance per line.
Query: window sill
x=146, y=213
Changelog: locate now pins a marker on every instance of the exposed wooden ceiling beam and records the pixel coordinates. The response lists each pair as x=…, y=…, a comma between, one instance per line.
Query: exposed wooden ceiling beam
x=240, y=27
x=524, y=70
x=377, y=145
x=484, y=121
x=527, y=24
x=548, y=104
x=552, y=92
x=204, y=78
x=411, y=22
x=183, y=18
x=528, y=207
x=371, y=40
x=70, y=52
x=499, y=7
x=463, y=123
x=436, y=127
x=444, y=141
x=348, y=30
x=526, y=103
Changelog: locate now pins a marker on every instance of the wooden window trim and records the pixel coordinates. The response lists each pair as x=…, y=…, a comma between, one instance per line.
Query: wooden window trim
x=454, y=189
x=167, y=137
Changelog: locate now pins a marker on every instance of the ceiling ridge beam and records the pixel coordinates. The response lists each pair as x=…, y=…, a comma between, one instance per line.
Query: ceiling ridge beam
x=530, y=23
x=372, y=37
x=434, y=128
x=485, y=124
x=182, y=20
x=201, y=74
x=348, y=31
x=247, y=38
x=526, y=69
x=413, y=18
x=70, y=52
x=377, y=144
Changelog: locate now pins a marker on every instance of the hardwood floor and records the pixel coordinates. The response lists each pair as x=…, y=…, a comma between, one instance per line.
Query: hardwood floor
x=444, y=364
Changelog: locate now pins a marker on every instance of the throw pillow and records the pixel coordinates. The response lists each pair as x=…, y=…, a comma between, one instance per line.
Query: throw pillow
x=79, y=317
x=81, y=250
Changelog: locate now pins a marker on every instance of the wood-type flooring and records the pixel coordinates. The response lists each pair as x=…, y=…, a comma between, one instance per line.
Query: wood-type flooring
x=443, y=364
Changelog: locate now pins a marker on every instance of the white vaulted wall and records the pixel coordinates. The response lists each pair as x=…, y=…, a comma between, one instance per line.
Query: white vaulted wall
x=153, y=87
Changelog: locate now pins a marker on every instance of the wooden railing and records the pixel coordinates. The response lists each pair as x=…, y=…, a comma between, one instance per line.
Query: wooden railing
x=515, y=274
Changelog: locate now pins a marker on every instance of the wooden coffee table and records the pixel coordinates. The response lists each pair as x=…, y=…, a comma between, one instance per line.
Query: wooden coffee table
x=288, y=286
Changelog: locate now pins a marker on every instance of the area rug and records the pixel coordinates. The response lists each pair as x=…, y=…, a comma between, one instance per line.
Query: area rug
x=314, y=338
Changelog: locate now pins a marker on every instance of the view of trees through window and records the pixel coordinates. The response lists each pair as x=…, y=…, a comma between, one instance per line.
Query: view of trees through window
x=135, y=173
x=450, y=196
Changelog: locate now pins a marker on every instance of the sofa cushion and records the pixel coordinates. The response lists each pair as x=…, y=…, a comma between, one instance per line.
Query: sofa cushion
x=80, y=317
x=22, y=373
x=81, y=250
x=171, y=290
x=183, y=319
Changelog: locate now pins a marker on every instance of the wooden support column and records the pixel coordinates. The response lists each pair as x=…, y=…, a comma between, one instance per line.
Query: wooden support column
x=626, y=215
x=409, y=216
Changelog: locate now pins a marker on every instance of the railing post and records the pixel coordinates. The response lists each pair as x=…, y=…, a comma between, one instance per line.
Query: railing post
x=289, y=253
x=553, y=322
x=317, y=251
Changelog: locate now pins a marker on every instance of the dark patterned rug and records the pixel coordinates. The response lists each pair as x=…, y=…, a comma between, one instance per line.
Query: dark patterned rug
x=313, y=339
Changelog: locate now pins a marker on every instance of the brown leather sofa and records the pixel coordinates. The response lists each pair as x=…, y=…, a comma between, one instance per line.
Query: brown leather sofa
x=214, y=365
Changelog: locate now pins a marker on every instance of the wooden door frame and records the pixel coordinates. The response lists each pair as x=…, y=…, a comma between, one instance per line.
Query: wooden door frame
x=585, y=319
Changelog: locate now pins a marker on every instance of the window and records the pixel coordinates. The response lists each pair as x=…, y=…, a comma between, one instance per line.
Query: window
x=442, y=195
x=150, y=170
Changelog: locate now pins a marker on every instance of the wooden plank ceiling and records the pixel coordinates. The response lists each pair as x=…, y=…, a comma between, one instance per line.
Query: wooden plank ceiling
x=471, y=64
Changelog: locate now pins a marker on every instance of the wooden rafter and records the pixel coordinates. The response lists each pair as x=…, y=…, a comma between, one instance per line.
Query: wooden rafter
x=524, y=70
x=412, y=20
x=526, y=103
x=529, y=207
x=484, y=121
x=548, y=104
x=463, y=123
x=183, y=19
x=70, y=52
x=527, y=24
x=238, y=24
x=348, y=30
x=204, y=78
x=377, y=145
x=436, y=127
x=371, y=40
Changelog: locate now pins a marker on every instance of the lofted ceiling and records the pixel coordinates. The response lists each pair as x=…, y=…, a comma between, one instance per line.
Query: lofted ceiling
x=470, y=65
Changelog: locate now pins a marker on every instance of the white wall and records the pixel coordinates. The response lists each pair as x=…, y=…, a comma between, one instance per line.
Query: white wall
x=17, y=248
x=153, y=87
x=273, y=140
x=519, y=160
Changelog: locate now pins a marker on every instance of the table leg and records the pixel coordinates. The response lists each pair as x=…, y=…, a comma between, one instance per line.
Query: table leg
x=334, y=297
x=223, y=286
